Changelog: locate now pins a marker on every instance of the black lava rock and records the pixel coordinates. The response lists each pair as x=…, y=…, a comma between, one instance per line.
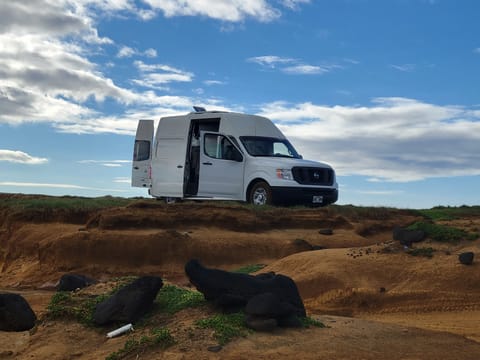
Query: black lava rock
x=407, y=236
x=72, y=282
x=466, y=258
x=129, y=303
x=264, y=297
x=15, y=313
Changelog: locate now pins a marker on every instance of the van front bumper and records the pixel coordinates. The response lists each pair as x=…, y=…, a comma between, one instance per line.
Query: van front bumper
x=283, y=195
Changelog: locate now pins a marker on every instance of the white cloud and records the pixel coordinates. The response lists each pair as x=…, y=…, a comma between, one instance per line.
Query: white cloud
x=107, y=163
x=157, y=75
x=223, y=10
x=46, y=74
x=127, y=52
x=20, y=157
x=151, y=53
x=404, y=67
x=45, y=79
x=270, y=61
x=122, y=180
x=380, y=192
x=213, y=82
x=307, y=69
x=292, y=66
x=395, y=139
x=293, y=4
x=54, y=186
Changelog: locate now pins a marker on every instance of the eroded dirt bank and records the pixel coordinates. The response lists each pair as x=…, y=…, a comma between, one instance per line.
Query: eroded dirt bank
x=357, y=272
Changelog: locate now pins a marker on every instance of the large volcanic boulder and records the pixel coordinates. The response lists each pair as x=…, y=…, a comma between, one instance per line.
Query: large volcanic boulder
x=408, y=236
x=129, y=303
x=15, y=313
x=72, y=282
x=268, y=299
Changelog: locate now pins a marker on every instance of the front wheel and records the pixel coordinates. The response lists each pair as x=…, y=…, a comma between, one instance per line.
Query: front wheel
x=261, y=194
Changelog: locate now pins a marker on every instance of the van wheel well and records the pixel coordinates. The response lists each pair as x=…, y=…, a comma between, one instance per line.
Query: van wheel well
x=251, y=185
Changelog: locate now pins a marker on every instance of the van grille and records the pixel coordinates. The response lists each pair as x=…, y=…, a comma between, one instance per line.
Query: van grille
x=313, y=176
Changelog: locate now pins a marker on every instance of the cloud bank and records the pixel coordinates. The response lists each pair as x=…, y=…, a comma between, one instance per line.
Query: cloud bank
x=395, y=139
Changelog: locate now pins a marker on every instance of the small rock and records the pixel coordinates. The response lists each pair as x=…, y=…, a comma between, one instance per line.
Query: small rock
x=215, y=348
x=258, y=323
x=466, y=258
x=325, y=232
x=72, y=282
x=382, y=289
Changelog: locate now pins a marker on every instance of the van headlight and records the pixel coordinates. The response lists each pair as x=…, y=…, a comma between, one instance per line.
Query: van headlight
x=285, y=174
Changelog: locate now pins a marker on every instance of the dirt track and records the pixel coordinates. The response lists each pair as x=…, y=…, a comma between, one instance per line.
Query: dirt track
x=358, y=273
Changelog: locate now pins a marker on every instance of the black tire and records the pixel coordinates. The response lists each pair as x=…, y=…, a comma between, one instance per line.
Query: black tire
x=260, y=194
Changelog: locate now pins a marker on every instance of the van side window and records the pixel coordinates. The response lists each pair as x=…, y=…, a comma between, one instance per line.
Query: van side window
x=220, y=147
x=141, y=150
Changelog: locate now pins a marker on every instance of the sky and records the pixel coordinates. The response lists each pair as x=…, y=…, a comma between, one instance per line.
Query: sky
x=385, y=91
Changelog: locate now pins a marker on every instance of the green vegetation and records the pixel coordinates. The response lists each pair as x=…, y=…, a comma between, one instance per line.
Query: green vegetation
x=443, y=233
x=78, y=306
x=226, y=326
x=308, y=321
x=159, y=337
x=248, y=269
x=72, y=306
x=172, y=299
x=450, y=213
x=424, y=251
x=43, y=202
x=360, y=212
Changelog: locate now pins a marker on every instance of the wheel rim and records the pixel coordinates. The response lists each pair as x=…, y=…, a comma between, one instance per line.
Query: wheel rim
x=260, y=196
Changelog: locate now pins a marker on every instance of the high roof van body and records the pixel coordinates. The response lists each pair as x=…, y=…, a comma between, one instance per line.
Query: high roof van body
x=210, y=155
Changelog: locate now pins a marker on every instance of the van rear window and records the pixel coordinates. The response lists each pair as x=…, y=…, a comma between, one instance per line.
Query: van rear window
x=141, y=150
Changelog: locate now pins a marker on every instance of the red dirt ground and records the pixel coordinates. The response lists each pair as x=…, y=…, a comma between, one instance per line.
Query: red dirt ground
x=427, y=309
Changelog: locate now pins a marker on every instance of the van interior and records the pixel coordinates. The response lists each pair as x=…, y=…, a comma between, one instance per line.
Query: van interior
x=192, y=163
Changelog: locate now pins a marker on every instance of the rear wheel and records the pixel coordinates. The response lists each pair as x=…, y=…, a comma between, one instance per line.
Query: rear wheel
x=260, y=194
x=170, y=200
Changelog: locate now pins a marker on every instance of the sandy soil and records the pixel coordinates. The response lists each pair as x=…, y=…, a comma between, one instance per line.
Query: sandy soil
x=377, y=301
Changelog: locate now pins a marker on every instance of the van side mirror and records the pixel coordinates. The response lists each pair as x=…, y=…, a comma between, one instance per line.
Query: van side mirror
x=300, y=156
x=237, y=156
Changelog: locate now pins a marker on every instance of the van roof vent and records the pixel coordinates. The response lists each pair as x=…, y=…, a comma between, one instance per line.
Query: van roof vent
x=199, y=109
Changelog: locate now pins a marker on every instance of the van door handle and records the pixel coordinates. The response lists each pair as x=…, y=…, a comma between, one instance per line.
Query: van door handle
x=207, y=163
x=136, y=167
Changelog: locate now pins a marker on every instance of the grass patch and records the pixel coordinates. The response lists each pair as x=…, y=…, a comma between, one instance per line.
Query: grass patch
x=226, y=326
x=309, y=322
x=450, y=213
x=172, y=299
x=78, y=306
x=248, y=269
x=424, y=252
x=443, y=233
x=362, y=212
x=43, y=202
x=158, y=337
x=64, y=304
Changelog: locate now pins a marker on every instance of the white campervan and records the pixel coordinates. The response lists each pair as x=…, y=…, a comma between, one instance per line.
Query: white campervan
x=213, y=155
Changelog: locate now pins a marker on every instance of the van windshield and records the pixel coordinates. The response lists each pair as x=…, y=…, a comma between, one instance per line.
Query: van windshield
x=268, y=146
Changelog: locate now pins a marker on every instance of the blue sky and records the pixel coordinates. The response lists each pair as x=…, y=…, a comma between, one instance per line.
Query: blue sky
x=386, y=91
